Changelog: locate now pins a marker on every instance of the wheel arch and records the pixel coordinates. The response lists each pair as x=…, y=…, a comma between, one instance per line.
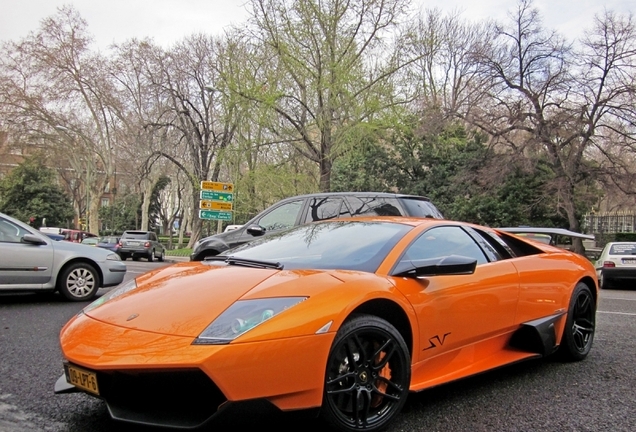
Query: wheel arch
x=591, y=283
x=77, y=261
x=391, y=312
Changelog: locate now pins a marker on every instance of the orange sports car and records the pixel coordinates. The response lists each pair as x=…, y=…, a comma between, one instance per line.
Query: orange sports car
x=343, y=316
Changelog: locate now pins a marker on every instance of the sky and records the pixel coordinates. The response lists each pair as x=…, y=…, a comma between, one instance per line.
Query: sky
x=169, y=21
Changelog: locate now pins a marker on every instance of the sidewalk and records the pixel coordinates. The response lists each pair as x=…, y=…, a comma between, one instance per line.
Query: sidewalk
x=176, y=259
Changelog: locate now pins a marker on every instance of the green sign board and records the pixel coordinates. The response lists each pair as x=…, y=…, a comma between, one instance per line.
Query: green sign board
x=216, y=196
x=215, y=215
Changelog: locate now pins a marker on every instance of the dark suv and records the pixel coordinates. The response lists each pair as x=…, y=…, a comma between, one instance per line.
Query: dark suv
x=138, y=244
x=303, y=209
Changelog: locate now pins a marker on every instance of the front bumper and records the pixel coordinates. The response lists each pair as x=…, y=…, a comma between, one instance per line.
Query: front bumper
x=113, y=273
x=140, y=372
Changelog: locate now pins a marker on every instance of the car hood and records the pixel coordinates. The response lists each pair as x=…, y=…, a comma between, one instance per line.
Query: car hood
x=183, y=299
x=82, y=249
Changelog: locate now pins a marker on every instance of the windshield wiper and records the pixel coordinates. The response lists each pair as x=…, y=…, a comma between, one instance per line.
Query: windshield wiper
x=246, y=262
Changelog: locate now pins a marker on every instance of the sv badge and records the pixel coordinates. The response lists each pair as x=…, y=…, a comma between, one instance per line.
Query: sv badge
x=436, y=341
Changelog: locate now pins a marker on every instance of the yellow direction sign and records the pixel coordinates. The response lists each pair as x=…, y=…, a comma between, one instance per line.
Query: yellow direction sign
x=217, y=186
x=215, y=205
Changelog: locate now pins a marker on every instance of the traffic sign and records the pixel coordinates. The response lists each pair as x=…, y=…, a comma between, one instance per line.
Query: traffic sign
x=215, y=205
x=217, y=186
x=215, y=215
x=216, y=196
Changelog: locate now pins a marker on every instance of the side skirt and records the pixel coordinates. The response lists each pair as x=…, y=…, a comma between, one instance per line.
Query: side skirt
x=537, y=336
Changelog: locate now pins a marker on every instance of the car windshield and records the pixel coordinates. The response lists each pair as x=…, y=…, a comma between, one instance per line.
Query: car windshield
x=623, y=249
x=358, y=245
x=109, y=240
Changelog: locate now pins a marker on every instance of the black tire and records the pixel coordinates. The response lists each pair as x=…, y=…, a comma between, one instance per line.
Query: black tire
x=135, y=258
x=162, y=257
x=369, y=363
x=151, y=256
x=603, y=283
x=78, y=282
x=124, y=256
x=580, y=325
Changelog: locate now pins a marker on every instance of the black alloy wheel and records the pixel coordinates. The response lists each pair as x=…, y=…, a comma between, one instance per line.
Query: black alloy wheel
x=368, y=375
x=580, y=325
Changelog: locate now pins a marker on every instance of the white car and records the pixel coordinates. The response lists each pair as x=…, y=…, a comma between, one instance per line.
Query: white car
x=32, y=261
x=617, y=263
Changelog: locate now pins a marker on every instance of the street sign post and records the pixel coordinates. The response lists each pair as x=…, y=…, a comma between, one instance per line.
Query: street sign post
x=216, y=201
x=215, y=215
x=215, y=205
x=216, y=196
x=217, y=186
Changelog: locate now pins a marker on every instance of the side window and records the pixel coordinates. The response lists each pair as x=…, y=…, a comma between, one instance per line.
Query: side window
x=374, y=206
x=444, y=241
x=283, y=216
x=421, y=208
x=323, y=208
x=10, y=233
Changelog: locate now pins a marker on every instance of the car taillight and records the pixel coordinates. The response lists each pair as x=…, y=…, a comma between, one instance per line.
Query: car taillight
x=119, y=244
x=608, y=264
x=147, y=244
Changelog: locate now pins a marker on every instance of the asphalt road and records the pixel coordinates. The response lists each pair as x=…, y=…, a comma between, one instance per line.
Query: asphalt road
x=597, y=394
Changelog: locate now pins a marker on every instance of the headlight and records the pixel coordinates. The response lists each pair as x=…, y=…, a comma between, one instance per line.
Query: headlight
x=115, y=292
x=113, y=257
x=243, y=316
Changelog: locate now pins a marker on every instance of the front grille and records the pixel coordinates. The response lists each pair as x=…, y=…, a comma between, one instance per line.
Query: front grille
x=182, y=398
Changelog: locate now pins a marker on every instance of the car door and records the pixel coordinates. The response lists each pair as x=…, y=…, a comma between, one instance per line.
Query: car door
x=455, y=311
x=23, y=265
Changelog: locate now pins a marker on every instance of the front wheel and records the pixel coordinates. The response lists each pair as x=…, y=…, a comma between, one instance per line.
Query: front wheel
x=79, y=282
x=579, y=325
x=368, y=375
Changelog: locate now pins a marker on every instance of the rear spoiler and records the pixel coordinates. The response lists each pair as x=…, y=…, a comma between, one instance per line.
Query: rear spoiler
x=550, y=231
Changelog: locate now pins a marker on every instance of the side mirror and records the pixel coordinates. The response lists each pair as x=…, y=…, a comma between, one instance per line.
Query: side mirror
x=448, y=265
x=256, y=230
x=33, y=239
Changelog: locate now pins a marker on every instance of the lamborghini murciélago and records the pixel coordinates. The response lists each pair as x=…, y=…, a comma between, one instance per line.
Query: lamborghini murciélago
x=345, y=317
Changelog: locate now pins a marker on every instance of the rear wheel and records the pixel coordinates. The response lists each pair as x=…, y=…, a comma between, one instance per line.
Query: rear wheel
x=580, y=325
x=368, y=375
x=161, y=257
x=79, y=282
x=151, y=256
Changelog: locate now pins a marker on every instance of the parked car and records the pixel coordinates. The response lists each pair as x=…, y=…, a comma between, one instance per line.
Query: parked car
x=110, y=242
x=90, y=241
x=32, y=261
x=56, y=237
x=616, y=264
x=347, y=316
x=303, y=209
x=76, y=236
x=141, y=244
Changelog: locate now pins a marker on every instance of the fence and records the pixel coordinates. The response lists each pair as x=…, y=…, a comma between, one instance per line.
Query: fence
x=609, y=223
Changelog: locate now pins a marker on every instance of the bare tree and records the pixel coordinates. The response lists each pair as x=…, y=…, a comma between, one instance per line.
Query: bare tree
x=549, y=102
x=55, y=85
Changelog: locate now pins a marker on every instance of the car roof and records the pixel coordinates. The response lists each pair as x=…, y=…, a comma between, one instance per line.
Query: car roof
x=359, y=194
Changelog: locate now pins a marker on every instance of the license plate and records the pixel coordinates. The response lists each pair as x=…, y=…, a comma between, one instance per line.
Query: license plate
x=629, y=260
x=86, y=380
